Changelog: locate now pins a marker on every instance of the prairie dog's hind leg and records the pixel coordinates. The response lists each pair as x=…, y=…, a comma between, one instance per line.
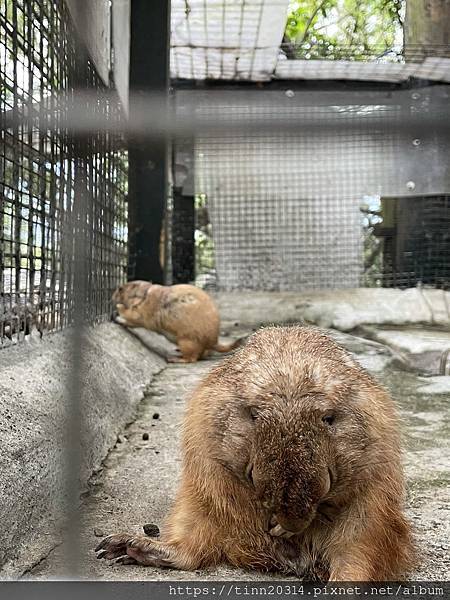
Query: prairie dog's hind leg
x=190, y=351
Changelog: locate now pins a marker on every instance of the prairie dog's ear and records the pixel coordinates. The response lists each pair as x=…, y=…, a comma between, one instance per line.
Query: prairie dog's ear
x=153, y=287
x=135, y=302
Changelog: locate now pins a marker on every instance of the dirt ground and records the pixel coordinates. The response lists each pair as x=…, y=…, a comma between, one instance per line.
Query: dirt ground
x=139, y=478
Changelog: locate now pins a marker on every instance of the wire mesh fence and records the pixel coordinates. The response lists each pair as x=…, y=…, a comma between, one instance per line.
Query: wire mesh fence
x=330, y=189
x=404, y=243
x=40, y=169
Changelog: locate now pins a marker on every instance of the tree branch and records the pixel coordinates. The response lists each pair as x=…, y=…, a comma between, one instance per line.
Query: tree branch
x=310, y=20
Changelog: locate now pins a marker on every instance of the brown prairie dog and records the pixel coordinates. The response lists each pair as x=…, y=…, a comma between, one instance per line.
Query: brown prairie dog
x=182, y=312
x=291, y=462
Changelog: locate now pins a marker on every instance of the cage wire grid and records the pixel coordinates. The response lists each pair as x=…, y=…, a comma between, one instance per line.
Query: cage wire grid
x=38, y=171
x=356, y=201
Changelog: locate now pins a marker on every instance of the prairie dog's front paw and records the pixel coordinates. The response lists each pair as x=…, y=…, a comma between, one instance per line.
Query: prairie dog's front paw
x=129, y=549
x=113, y=546
x=120, y=320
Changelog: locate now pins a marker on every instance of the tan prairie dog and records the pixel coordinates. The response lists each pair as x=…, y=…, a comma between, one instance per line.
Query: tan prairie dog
x=183, y=313
x=291, y=462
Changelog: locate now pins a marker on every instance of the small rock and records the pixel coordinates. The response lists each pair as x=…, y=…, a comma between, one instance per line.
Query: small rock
x=156, y=451
x=120, y=439
x=99, y=533
x=151, y=530
x=145, y=436
x=156, y=415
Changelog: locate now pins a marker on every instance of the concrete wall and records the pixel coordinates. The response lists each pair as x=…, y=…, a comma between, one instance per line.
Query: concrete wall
x=92, y=19
x=285, y=174
x=33, y=427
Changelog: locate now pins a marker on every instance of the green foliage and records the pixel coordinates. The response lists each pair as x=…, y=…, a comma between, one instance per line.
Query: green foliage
x=345, y=29
x=371, y=213
x=204, y=253
x=204, y=245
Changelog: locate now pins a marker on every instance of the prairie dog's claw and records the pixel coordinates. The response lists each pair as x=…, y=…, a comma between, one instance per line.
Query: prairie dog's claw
x=126, y=560
x=278, y=531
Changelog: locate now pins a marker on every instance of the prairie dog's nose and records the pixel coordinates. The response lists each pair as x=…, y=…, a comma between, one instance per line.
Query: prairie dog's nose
x=289, y=525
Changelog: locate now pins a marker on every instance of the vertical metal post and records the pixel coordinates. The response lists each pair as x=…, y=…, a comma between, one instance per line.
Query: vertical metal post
x=183, y=241
x=148, y=168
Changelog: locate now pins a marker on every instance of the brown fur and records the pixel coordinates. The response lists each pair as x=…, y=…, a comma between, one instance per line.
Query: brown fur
x=291, y=463
x=182, y=312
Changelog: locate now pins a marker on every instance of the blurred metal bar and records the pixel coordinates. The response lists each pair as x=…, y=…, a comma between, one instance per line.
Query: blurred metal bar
x=76, y=250
x=151, y=119
x=150, y=30
x=74, y=390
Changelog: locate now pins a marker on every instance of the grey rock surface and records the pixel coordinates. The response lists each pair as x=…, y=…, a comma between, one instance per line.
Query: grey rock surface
x=34, y=428
x=419, y=348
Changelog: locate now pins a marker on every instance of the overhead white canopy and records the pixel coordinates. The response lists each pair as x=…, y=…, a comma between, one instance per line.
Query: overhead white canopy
x=226, y=39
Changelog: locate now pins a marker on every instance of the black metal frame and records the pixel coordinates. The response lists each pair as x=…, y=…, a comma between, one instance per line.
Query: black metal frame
x=148, y=159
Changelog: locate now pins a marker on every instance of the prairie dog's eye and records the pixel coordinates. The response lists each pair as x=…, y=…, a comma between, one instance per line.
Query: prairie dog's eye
x=328, y=419
x=254, y=413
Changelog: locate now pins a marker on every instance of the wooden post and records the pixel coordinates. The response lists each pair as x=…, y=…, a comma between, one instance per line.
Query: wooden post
x=427, y=29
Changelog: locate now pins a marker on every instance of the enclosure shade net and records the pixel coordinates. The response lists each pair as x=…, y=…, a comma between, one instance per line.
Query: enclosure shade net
x=349, y=189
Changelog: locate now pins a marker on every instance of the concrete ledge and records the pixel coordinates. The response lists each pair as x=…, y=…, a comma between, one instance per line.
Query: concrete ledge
x=338, y=309
x=33, y=378
x=418, y=348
